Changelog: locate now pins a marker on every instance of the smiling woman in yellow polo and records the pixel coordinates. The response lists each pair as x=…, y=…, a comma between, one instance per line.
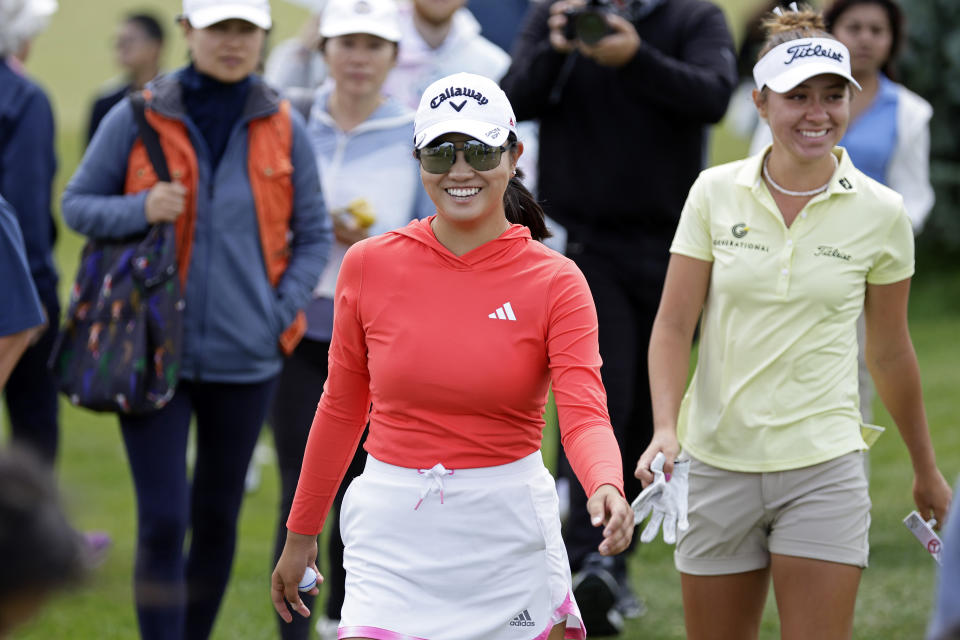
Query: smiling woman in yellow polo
x=759, y=402
x=775, y=257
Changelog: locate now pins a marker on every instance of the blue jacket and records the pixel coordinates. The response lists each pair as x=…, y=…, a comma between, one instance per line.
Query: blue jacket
x=233, y=315
x=27, y=167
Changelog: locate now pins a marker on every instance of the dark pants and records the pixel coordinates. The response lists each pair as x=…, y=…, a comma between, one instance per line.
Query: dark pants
x=178, y=597
x=31, y=392
x=625, y=278
x=301, y=384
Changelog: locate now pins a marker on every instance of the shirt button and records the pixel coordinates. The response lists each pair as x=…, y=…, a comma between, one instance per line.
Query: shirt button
x=803, y=215
x=784, y=271
x=789, y=243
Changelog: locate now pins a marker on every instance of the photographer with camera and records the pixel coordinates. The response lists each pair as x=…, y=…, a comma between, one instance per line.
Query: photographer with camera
x=624, y=92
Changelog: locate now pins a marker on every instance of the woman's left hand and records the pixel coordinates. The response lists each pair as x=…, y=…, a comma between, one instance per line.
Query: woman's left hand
x=932, y=495
x=611, y=510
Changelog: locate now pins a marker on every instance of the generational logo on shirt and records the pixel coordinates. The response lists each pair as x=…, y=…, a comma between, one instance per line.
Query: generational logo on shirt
x=738, y=231
x=522, y=619
x=503, y=313
x=454, y=92
x=845, y=184
x=804, y=50
x=832, y=252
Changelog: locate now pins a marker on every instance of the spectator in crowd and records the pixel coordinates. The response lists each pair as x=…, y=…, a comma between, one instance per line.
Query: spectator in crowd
x=371, y=184
x=39, y=551
x=440, y=37
x=252, y=239
x=139, y=51
x=664, y=70
x=452, y=328
x=27, y=167
x=499, y=20
x=21, y=318
x=296, y=63
x=776, y=256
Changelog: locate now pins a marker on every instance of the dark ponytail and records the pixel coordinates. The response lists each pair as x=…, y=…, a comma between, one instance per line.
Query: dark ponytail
x=522, y=208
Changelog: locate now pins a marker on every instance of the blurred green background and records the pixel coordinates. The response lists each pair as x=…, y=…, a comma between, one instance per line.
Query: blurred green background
x=73, y=58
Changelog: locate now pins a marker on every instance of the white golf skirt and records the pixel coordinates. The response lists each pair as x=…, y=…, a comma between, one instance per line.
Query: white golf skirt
x=455, y=554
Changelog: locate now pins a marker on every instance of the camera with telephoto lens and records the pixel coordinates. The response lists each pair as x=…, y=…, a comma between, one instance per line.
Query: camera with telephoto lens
x=588, y=24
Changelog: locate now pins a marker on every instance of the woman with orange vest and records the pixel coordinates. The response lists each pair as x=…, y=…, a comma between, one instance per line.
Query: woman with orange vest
x=252, y=239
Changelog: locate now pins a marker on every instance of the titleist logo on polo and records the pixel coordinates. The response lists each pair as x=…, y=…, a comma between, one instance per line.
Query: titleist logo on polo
x=806, y=50
x=453, y=92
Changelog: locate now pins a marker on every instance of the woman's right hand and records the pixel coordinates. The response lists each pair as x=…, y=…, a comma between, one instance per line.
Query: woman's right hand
x=347, y=231
x=665, y=441
x=165, y=202
x=299, y=552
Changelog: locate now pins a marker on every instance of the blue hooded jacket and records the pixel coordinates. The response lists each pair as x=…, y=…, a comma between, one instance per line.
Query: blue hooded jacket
x=233, y=315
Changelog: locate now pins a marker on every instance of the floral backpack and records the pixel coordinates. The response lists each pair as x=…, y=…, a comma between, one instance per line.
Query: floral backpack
x=120, y=344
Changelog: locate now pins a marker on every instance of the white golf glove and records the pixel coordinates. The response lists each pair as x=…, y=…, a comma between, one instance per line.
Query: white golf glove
x=666, y=501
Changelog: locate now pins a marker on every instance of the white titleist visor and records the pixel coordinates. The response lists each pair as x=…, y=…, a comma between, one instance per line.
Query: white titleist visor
x=788, y=64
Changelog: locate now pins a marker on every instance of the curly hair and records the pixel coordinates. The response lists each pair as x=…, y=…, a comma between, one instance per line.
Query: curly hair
x=793, y=25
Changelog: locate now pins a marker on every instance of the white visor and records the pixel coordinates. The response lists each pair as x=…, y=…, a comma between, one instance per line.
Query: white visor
x=788, y=64
x=464, y=103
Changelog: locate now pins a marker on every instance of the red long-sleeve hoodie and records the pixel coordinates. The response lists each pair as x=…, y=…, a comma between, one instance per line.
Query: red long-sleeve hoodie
x=456, y=355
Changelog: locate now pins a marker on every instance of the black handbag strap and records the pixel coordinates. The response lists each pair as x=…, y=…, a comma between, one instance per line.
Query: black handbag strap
x=151, y=141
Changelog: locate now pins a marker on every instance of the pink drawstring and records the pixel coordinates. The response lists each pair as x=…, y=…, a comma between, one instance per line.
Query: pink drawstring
x=433, y=481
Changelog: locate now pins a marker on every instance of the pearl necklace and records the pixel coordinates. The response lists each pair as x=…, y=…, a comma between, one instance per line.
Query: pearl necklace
x=800, y=194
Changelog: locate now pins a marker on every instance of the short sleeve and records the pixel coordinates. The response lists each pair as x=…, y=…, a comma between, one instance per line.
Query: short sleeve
x=693, y=237
x=895, y=260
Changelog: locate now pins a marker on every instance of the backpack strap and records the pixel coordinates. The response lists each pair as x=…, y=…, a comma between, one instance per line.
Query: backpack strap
x=151, y=141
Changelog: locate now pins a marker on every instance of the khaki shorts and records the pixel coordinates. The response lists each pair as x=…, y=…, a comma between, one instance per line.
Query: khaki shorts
x=738, y=519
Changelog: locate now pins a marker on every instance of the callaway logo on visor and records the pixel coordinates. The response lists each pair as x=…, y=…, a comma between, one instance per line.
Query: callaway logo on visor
x=452, y=92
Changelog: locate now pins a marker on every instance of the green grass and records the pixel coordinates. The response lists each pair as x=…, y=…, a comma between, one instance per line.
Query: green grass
x=73, y=57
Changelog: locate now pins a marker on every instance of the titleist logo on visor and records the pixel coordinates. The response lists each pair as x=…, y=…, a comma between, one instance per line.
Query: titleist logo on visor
x=453, y=92
x=806, y=50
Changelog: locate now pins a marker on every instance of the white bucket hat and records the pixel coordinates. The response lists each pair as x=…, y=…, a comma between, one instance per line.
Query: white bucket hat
x=203, y=13
x=464, y=103
x=379, y=18
x=790, y=63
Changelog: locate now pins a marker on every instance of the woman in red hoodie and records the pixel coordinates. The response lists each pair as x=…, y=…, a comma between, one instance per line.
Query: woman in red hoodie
x=447, y=335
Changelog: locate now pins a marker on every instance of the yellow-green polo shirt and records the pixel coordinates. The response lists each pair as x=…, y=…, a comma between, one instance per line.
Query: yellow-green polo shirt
x=775, y=386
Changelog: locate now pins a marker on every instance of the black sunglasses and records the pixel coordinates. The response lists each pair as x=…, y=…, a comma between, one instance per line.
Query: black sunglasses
x=439, y=158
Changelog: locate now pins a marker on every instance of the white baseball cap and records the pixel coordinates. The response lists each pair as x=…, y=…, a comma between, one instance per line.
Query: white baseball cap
x=464, y=103
x=203, y=13
x=379, y=18
x=790, y=63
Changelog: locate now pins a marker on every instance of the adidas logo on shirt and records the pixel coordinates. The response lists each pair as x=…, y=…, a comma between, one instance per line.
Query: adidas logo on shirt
x=503, y=313
x=523, y=619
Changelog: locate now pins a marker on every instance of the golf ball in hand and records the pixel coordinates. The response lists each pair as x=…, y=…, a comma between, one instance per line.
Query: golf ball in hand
x=308, y=581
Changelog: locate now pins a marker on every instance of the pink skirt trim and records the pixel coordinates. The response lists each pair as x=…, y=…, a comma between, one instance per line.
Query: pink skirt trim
x=373, y=632
x=566, y=609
